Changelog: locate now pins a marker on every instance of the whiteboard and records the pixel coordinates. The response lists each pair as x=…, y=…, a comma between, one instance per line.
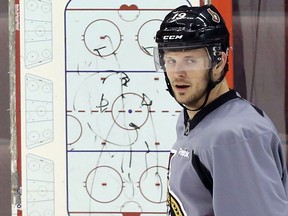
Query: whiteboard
x=96, y=121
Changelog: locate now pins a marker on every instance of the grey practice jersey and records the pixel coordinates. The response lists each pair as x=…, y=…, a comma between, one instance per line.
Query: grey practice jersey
x=227, y=161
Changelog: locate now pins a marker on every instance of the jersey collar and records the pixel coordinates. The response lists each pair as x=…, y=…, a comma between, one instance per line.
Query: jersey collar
x=192, y=123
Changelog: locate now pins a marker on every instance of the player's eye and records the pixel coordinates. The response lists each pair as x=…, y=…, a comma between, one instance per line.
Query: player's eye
x=169, y=61
x=192, y=60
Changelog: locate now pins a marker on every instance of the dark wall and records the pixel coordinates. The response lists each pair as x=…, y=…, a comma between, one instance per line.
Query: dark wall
x=4, y=71
x=5, y=166
x=259, y=55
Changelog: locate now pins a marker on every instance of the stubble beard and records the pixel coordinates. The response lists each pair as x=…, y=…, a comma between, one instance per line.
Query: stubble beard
x=194, y=98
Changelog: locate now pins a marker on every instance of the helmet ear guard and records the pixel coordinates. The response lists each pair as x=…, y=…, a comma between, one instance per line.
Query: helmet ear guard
x=215, y=53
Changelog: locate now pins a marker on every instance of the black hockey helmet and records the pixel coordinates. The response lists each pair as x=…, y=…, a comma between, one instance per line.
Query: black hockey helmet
x=194, y=27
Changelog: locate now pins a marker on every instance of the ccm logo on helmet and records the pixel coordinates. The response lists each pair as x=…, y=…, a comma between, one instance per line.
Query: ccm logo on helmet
x=172, y=37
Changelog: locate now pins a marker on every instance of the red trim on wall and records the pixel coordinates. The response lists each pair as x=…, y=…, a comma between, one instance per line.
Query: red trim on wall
x=226, y=10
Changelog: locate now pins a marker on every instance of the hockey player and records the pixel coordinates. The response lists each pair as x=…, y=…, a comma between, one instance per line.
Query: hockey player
x=228, y=158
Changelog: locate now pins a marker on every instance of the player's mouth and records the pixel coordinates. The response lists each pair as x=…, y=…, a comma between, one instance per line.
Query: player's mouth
x=181, y=87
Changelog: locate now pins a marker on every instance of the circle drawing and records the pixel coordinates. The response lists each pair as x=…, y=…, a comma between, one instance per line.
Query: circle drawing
x=74, y=129
x=145, y=43
x=33, y=136
x=32, y=56
x=34, y=165
x=151, y=184
x=130, y=111
x=32, y=85
x=102, y=37
x=46, y=8
x=104, y=184
x=31, y=5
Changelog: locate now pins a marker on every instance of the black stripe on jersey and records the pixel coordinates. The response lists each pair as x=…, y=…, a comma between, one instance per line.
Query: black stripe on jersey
x=256, y=108
x=203, y=173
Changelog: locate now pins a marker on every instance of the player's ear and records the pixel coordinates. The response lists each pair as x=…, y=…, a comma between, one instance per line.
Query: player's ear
x=218, y=69
x=223, y=61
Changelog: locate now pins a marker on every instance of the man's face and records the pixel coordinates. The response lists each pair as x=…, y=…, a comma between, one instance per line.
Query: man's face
x=187, y=72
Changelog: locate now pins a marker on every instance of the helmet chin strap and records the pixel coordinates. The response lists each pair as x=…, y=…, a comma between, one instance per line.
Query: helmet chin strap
x=209, y=88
